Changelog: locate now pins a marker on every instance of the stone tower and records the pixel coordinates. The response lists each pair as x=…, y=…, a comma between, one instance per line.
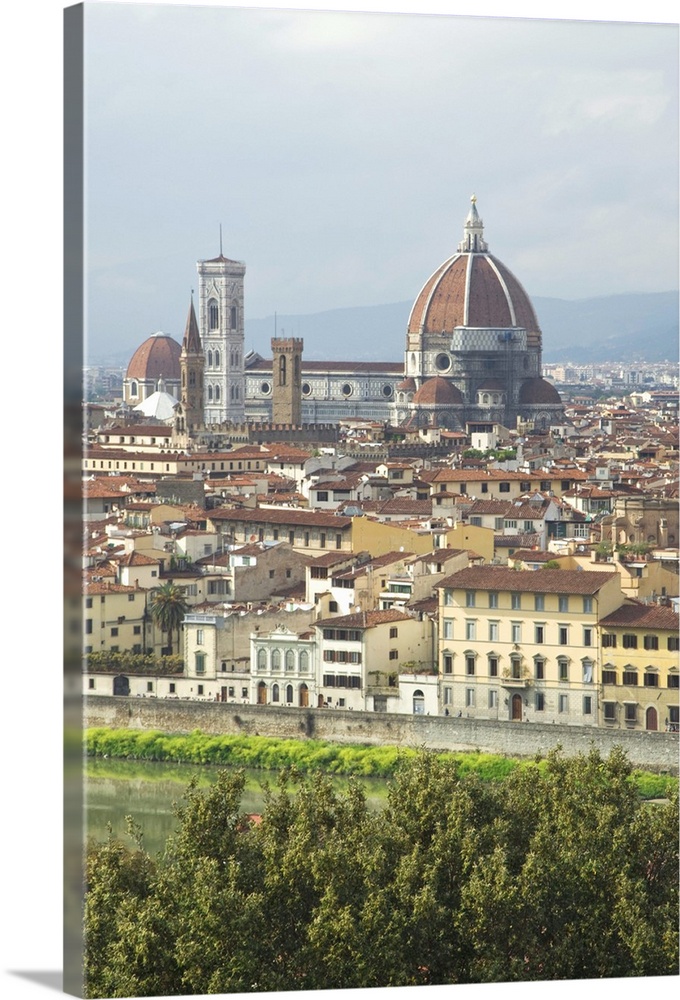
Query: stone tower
x=191, y=365
x=221, y=322
x=287, y=380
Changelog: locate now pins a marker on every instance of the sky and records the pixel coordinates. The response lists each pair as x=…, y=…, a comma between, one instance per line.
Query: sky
x=408, y=233
x=338, y=152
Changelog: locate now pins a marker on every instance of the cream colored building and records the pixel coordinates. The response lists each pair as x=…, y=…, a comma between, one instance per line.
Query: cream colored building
x=523, y=645
x=640, y=675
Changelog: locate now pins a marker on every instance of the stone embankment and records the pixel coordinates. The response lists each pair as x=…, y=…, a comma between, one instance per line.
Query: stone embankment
x=647, y=750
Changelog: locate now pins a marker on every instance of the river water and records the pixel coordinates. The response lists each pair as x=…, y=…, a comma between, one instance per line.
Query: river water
x=147, y=791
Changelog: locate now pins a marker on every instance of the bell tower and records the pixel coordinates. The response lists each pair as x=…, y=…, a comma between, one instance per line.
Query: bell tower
x=191, y=365
x=287, y=380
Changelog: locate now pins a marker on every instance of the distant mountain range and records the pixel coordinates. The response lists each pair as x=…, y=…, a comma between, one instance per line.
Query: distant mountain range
x=630, y=328
x=610, y=328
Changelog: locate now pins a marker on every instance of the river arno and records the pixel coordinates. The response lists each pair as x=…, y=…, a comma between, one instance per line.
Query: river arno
x=147, y=791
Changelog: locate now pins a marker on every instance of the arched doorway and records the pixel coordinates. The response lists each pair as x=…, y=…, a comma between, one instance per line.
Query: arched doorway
x=517, y=708
x=262, y=693
x=652, y=719
x=418, y=703
x=304, y=696
x=289, y=694
x=121, y=685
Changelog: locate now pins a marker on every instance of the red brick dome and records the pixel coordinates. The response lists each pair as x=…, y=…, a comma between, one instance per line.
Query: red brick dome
x=438, y=391
x=472, y=289
x=157, y=357
x=538, y=391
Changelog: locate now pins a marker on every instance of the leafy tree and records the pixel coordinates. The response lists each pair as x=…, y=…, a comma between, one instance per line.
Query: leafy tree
x=558, y=872
x=168, y=608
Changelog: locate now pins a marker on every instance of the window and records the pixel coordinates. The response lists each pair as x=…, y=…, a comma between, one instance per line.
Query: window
x=609, y=711
x=149, y=685
x=539, y=701
x=630, y=678
x=673, y=680
x=563, y=669
x=608, y=641
x=587, y=671
x=88, y=626
x=562, y=703
x=470, y=666
x=515, y=667
x=290, y=660
x=448, y=696
x=276, y=659
x=539, y=634
x=516, y=602
x=630, y=712
x=608, y=676
x=448, y=663
x=448, y=628
x=88, y=602
x=493, y=666
x=338, y=541
x=587, y=704
x=493, y=699
x=90, y=683
x=563, y=604
x=393, y=633
x=448, y=598
x=493, y=599
x=651, y=642
x=199, y=636
x=516, y=632
x=493, y=631
x=394, y=654
x=470, y=599
x=275, y=692
x=470, y=630
x=630, y=641
x=199, y=689
x=587, y=637
x=587, y=605
x=114, y=631
x=673, y=643
x=173, y=687
x=539, y=669
x=504, y=487
x=539, y=602
x=271, y=574
x=650, y=679
x=563, y=635
x=200, y=663
x=213, y=314
x=469, y=697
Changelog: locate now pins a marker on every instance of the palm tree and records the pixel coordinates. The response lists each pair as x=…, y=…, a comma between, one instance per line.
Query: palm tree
x=168, y=608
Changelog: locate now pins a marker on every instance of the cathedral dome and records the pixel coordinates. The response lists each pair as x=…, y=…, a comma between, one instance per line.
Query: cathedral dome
x=472, y=289
x=157, y=357
x=538, y=391
x=437, y=391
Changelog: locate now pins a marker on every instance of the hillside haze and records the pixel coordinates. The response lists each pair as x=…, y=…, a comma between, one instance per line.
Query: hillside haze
x=611, y=328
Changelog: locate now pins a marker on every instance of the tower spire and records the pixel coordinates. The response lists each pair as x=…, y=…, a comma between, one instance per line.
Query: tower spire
x=473, y=234
x=192, y=339
x=221, y=240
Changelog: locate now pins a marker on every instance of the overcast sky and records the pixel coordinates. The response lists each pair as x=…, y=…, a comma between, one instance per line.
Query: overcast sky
x=339, y=151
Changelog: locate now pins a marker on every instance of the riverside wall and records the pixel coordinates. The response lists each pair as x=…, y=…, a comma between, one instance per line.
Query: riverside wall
x=647, y=750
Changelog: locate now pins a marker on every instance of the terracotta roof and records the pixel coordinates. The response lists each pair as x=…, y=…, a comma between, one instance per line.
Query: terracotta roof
x=157, y=356
x=438, y=391
x=278, y=515
x=637, y=615
x=538, y=391
x=363, y=619
x=135, y=558
x=543, y=581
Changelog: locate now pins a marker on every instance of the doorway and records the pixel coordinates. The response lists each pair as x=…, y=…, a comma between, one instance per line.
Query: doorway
x=517, y=708
x=652, y=719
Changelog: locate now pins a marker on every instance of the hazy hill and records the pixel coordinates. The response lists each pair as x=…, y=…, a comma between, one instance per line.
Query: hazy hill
x=611, y=328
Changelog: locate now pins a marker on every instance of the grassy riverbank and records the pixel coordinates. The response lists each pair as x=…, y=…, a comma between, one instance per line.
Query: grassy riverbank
x=308, y=756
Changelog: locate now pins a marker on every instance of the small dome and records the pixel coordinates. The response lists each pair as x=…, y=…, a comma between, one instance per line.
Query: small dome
x=538, y=391
x=408, y=385
x=157, y=357
x=438, y=391
x=159, y=405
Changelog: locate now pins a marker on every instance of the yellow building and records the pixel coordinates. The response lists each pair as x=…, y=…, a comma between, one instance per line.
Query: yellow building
x=115, y=619
x=640, y=667
x=523, y=645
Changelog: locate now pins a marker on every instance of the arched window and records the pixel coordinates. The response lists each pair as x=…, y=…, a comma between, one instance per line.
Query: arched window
x=192, y=378
x=289, y=694
x=134, y=389
x=217, y=359
x=303, y=662
x=234, y=317
x=290, y=659
x=210, y=359
x=296, y=365
x=282, y=370
x=231, y=393
x=418, y=703
x=213, y=314
x=262, y=659
x=217, y=393
x=210, y=393
x=276, y=659
x=275, y=692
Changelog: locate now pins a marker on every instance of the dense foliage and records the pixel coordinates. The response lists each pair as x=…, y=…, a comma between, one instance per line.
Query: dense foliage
x=559, y=872
x=273, y=754
x=125, y=661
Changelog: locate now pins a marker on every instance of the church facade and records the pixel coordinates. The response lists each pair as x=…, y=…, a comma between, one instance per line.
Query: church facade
x=472, y=356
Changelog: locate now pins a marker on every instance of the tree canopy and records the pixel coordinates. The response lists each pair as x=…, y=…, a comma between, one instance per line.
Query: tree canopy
x=168, y=608
x=558, y=872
